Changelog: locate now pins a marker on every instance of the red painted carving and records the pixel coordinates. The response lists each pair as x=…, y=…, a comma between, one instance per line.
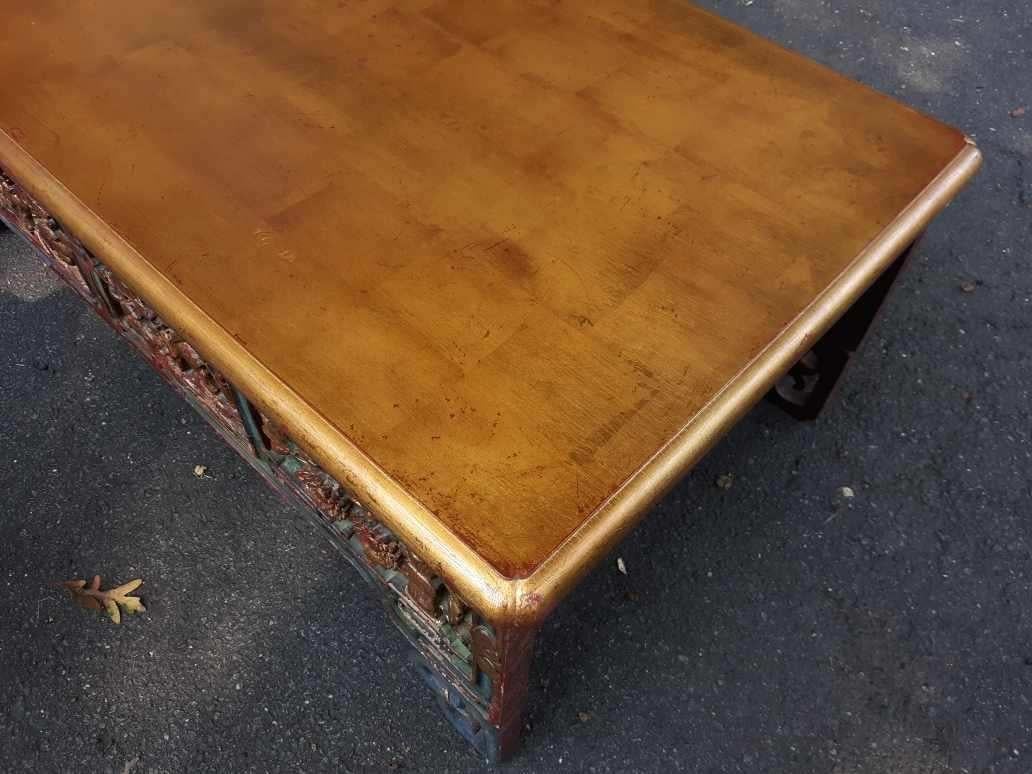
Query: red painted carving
x=423, y=586
x=26, y=216
x=455, y=609
x=279, y=441
x=485, y=652
x=380, y=547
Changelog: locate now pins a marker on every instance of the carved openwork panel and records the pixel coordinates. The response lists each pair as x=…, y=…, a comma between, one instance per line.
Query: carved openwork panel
x=25, y=215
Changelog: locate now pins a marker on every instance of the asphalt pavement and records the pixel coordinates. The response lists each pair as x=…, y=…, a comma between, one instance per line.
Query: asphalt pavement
x=770, y=624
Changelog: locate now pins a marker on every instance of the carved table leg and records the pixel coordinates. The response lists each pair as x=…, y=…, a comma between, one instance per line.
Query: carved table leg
x=507, y=660
x=494, y=730
x=806, y=388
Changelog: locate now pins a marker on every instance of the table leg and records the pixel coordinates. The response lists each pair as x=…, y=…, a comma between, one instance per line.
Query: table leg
x=806, y=388
x=493, y=729
x=510, y=662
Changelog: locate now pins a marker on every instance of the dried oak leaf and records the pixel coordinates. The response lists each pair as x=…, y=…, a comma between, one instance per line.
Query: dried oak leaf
x=92, y=598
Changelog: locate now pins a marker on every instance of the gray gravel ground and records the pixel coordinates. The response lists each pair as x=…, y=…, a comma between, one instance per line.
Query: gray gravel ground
x=775, y=626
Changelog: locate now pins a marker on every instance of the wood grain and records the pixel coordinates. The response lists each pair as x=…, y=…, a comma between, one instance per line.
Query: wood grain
x=509, y=249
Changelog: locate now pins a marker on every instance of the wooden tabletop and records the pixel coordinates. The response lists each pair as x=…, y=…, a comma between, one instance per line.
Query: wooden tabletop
x=508, y=268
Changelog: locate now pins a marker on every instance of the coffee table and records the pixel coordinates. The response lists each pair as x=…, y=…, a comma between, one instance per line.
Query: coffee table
x=478, y=282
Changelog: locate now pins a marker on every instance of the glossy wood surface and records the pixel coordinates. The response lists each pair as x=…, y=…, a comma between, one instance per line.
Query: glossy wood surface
x=509, y=249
